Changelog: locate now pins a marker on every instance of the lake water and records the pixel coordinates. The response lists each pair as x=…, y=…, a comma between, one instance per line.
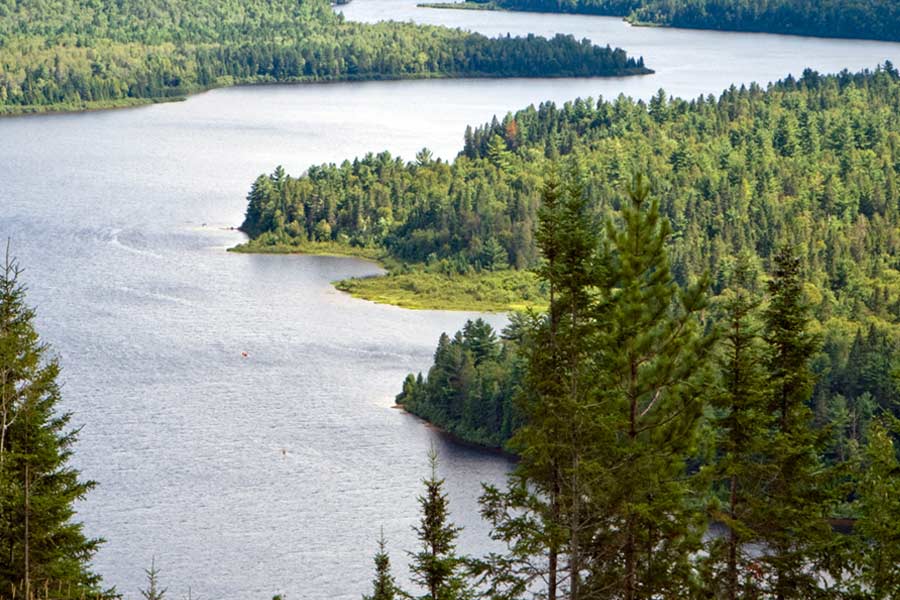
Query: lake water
x=273, y=473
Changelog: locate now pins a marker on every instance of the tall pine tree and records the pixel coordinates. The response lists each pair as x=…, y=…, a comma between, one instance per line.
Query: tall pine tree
x=40, y=546
x=651, y=361
x=542, y=516
x=741, y=423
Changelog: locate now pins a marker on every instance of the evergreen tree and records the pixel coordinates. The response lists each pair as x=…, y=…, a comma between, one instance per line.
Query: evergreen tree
x=796, y=532
x=741, y=424
x=541, y=516
x=877, y=530
x=436, y=567
x=383, y=585
x=40, y=546
x=153, y=591
x=650, y=360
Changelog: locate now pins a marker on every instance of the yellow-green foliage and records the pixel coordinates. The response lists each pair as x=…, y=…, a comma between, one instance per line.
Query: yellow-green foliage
x=484, y=292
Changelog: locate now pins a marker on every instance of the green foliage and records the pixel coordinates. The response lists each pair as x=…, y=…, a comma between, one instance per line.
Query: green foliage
x=797, y=496
x=863, y=19
x=877, y=552
x=383, y=585
x=470, y=388
x=741, y=423
x=812, y=163
x=436, y=567
x=72, y=54
x=42, y=548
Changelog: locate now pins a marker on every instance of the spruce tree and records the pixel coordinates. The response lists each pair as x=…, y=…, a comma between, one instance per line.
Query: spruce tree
x=877, y=530
x=796, y=532
x=153, y=591
x=40, y=546
x=383, y=585
x=741, y=424
x=541, y=516
x=436, y=567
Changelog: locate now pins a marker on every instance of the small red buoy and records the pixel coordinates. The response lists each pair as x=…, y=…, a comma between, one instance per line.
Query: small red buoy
x=244, y=354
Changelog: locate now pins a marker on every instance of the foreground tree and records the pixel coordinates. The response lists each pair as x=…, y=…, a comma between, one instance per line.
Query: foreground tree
x=742, y=422
x=877, y=556
x=436, y=567
x=651, y=360
x=40, y=546
x=383, y=585
x=543, y=516
x=796, y=533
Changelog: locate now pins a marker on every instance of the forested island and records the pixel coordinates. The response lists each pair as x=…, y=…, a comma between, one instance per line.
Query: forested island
x=859, y=19
x=77, y=54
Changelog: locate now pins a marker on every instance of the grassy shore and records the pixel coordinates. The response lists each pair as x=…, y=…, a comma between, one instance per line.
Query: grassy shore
x=485, y=291
x=15, y=110
x=417, y=287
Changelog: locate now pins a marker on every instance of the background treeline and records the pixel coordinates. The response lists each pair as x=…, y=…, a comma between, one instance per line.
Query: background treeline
x=813, y=163
x=863, y=19
x=669, y=445
x=76, y=52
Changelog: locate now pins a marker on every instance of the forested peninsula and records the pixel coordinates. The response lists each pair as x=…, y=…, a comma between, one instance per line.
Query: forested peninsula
x=78, y=54
x=858, y=19
x=810, y=163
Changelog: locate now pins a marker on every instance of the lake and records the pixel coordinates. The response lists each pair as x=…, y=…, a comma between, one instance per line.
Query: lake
x=273, y=473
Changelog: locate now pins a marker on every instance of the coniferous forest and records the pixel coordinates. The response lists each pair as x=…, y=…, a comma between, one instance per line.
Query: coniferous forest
x=695, y=393
x=80, y=54
x=812, y=164
x=862, y=19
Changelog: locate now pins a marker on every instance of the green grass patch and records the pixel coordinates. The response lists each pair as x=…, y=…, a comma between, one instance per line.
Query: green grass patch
x=315, y=248
x=416, y=286
x=487, y=291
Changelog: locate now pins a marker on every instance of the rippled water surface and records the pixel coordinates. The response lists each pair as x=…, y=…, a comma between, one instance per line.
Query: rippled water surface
x=273, y=473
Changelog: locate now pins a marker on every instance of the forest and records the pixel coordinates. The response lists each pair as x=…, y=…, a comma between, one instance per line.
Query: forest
x=811, y=162
x=80, y=54
x=671, y=443
x=858, y=19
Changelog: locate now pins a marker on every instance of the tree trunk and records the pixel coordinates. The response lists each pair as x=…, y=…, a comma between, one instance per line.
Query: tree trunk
x=553, y=566
x=732, y=546
x=27, y=533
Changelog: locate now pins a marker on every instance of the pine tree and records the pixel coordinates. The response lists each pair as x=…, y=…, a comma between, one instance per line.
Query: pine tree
x=741, y=423
x=796, y=533
x=436, y=567
x=651, y=361
x=877, y=530
x=153, y=591
x=383, y=585
x=40, y=546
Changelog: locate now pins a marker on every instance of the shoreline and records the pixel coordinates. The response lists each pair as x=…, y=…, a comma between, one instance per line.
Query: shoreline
x=492, y=6
x=412, y=287
x=10, y=111
x=456, y=438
